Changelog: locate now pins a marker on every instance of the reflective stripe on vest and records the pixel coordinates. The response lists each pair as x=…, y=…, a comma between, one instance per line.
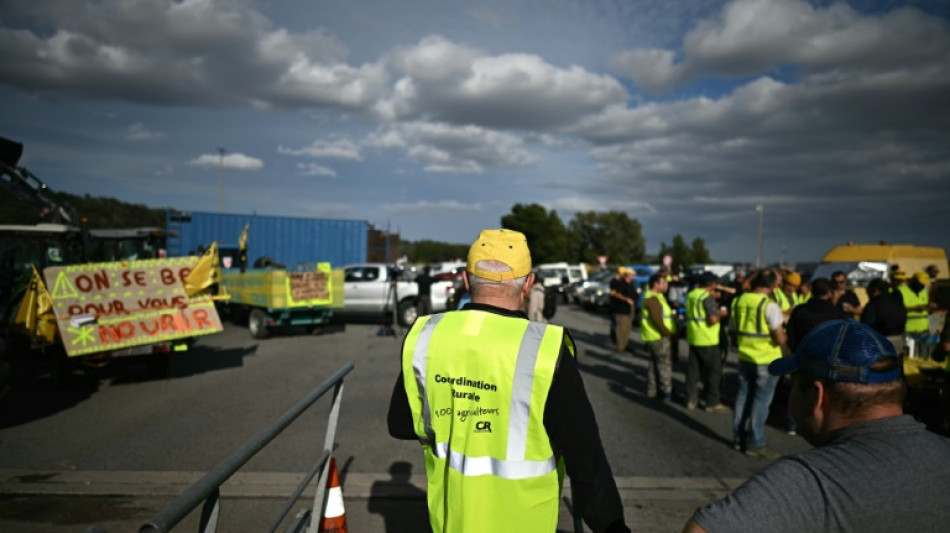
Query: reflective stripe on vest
x=479, y=382
x=755, y=340
x=648, y=331
x=698, y=330
x=917, y=321
x=781, y=299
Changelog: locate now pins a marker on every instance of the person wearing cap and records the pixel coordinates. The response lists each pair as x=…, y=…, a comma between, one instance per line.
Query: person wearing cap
x=500, y=409
x=760, y=338
x=702, y=334
x=917, y=302
x=803, y=319
x=783, y=293
x=872, y=469
x=657, y=326
x=885, y=314
x=623, y=301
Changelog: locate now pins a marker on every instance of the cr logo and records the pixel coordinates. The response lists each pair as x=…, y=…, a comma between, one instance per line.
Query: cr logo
x=482, y=426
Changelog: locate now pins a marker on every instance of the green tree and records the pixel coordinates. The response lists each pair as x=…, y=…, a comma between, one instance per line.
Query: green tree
x=684, y=255
x=699, y=252
x=426, y=251
x=610, y=233
x=546, y=234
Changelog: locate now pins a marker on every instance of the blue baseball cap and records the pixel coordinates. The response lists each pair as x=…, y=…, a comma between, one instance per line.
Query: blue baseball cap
x=840, y=350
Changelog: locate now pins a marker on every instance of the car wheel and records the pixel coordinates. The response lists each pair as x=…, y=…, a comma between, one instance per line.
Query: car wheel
x=407, y=313
x=257, y=324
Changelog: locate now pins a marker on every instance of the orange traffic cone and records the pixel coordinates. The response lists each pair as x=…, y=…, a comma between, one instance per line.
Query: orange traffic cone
x=334, y=516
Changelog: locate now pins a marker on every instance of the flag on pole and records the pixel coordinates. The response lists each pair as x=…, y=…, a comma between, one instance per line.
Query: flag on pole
x=206, y=273
x=242, y=241
x=35, y=317
x=242, y=249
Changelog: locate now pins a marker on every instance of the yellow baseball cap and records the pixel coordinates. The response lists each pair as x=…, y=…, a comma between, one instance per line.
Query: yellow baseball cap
x=922, y=278
x=899, y=275
x=507, y=246
x=793, y=278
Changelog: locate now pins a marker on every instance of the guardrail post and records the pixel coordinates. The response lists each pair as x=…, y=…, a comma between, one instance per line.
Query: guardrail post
x=320, y=494
x=210, y=512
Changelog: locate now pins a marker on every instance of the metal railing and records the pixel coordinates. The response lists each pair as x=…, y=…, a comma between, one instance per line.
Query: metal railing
x=208, y=488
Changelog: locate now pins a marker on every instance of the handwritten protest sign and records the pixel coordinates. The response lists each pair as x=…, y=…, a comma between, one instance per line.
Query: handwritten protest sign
x=309, y=286
x=109, y=306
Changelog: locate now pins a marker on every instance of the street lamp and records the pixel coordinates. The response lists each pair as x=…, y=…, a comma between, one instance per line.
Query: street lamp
x=760, y=209
x=221, y=151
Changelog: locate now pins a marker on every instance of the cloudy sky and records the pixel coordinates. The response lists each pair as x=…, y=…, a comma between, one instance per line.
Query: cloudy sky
x=435, y=117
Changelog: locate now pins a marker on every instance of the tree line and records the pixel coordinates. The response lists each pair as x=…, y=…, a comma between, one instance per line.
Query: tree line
x=583, y=239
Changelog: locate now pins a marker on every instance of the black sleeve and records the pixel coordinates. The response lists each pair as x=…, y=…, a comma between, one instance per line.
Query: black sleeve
x=399, y=418
x=570, y=423
x=791, y=331
x=869, y=315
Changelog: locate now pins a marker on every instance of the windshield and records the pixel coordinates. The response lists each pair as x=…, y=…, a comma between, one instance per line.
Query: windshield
x=859, y=273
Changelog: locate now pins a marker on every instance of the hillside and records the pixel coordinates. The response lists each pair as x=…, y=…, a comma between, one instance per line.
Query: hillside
x=99, y=212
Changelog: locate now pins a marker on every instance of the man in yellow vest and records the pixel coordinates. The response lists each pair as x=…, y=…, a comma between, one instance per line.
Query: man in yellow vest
x=758, y=327
x=702, y=334
x=499, y=406
x=917, y=301
x=657, y=326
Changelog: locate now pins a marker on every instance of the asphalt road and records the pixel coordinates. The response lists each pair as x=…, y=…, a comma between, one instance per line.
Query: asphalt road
x=113, y=449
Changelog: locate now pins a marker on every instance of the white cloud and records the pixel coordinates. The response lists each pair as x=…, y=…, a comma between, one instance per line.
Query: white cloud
x=579, y=204
x=193, y=52
x=432, y=207
x=753, y=36
x=453, y=149
x=138, y=132
x=454, y=83
x=233, y=161
x=330, y=148
x=313, y=169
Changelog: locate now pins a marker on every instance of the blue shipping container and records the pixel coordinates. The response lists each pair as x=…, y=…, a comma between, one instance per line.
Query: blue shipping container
x=295, y=242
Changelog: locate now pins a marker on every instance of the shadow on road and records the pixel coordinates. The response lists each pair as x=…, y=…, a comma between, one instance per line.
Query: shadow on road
x=401, y=504
x=197, y=360
x=33, y=397
x=32, y=394
x=627, y=379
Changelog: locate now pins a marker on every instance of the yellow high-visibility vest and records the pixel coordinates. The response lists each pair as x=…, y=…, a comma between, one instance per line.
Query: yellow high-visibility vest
x=477, y=383
x=755, y=339
x=917, y=321
x=698, y=330
x=649, y=332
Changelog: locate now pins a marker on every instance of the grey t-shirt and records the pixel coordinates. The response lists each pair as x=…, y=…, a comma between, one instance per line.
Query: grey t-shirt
x=889, y=474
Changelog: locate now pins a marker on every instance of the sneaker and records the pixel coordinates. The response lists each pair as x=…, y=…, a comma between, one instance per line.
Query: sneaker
x=690, y=406
x=718, y=408
x=736, y=446
x=763, y=453
x=792, y=432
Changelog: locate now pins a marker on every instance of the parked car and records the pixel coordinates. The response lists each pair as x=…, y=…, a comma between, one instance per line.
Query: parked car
x=562, y=275
x=369, y=289
x=596, y=294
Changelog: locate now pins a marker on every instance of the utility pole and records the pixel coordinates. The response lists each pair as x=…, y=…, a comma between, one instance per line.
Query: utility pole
x=221, y=151
x=760, y=209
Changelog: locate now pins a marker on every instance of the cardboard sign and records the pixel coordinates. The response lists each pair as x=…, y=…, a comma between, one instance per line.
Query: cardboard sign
x=309, y=286
x=109, y=306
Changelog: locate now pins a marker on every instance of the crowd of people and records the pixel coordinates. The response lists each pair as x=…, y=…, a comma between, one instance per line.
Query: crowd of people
x=495, y=397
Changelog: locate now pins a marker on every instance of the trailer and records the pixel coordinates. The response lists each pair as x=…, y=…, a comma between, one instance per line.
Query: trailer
x=271, y=298
x=299, y=243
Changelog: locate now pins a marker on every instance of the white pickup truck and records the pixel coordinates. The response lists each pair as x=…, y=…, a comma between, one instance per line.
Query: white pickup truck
x=367, y=292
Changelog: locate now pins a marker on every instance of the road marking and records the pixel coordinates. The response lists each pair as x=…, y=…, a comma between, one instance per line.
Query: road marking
x=281, y=484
